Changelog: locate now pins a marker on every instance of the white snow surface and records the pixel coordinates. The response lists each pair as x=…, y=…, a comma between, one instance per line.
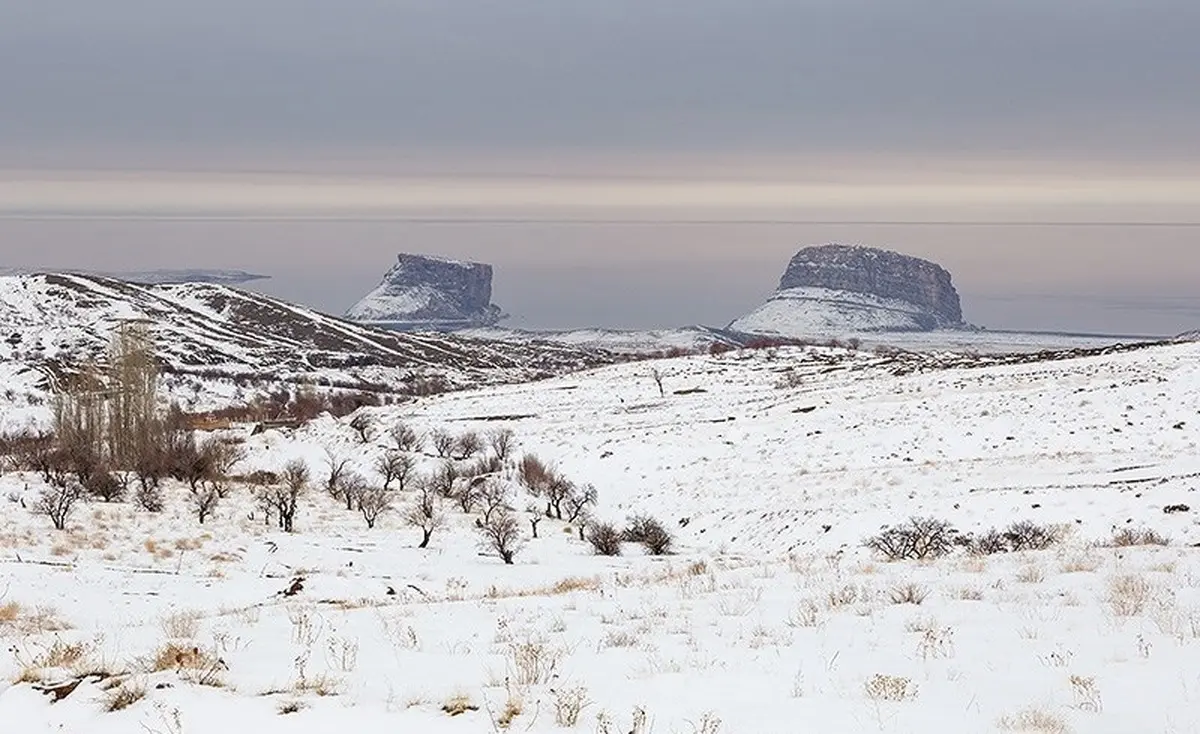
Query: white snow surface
x=770, y=467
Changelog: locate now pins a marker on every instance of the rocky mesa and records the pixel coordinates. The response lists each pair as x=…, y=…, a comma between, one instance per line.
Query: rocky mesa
x=835, y=289
x=422, y=292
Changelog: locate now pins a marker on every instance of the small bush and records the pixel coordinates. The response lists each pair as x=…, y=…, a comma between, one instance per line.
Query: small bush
x=605, y=539
x=1129, y=537
x=909, y=594
x=918, y=539
x=1027, y=535
x=889, y=688
x=650, y=533
x=59, y=502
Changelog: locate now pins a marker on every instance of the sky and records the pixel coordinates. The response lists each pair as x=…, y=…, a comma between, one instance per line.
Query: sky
x=626, y=163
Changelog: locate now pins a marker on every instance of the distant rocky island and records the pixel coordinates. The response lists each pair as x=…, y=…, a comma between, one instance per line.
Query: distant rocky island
x=834, y=288
x=422, y=292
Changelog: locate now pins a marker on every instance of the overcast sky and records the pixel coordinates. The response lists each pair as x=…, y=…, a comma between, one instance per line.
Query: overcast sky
x=292, y=136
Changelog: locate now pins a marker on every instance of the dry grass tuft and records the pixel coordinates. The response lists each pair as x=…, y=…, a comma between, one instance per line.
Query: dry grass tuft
x=1128, y=595
x=1034, y=721
x=124, y=695
x=889, y=688
x=458, y=704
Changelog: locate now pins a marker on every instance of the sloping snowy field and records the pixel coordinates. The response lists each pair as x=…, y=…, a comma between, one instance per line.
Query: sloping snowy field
x=770, y=467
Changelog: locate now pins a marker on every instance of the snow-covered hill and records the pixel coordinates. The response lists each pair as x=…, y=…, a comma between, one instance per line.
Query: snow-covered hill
x=770, y=466
x=209, y=333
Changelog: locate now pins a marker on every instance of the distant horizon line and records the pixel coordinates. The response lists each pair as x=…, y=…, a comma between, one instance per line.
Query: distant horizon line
x=592, y=221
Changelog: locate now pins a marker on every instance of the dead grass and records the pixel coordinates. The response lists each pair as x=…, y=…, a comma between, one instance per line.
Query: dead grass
x=181, y=625
x=1128, y=595
x=889, y=688
x=1034, y=721
x=458, y=704
x=124, y=695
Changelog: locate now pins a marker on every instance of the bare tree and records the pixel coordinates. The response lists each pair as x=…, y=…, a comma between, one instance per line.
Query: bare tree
x=425, y=513
x=354, y=485
x=579, y=502
x=204, y=500
x=535, y=517
x=284, y=496
x=58, y=502
x=444, y=479
x=406, y=438
x=466, y=494
x=658, y=380
x=373, y=502
x=534, y=474
x=443, y=443
x=558, y=491
x=397, y=467
x=502, y=441
x=337, y=466
x=466, y=446
x=364, y=425
x=493, y=496
x=502, y=534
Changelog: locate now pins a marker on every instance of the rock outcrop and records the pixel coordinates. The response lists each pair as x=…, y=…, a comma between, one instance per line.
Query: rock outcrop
x=834, y=289
x=424, y=292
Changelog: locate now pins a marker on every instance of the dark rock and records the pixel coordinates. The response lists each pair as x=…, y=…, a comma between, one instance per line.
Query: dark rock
x=847, y=288
x=881, y=273
x=1172, y=509
x=432, y=293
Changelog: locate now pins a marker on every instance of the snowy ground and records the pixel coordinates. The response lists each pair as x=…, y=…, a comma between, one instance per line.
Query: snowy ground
x=771, y=467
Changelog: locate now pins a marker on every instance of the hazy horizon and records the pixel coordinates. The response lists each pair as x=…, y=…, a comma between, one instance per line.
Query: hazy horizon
x=621, y=164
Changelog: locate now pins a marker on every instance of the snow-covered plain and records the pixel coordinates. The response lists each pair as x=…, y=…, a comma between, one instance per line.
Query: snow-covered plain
x=770, y=466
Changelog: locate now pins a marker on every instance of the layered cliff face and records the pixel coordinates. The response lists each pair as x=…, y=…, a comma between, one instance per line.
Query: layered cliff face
x=832, y=289
x=424, y=292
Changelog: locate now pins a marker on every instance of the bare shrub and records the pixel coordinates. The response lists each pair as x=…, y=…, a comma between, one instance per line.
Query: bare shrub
x=1129, y=537
x=650, y=533
x=533, y=474
x=502, y=534
x=425, y=513
x=502, y=441
x=908, y=593
x=987, y=543
x=443, y=443
x=373, y=502
x=58, y=502
x=104, y=485
x=1128, y=595
x=363, y=426
x=569, y=703
x=482, y=467
x=406, y=439
x=605, y=539
x=1027, y=535
x=204, y=500
x=466, y=446
x=533, y=663
x=919, y=538
x=397, y=467
x=149, y=497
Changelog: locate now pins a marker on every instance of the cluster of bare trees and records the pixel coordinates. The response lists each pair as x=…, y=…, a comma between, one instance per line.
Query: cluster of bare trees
x=111, y=429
